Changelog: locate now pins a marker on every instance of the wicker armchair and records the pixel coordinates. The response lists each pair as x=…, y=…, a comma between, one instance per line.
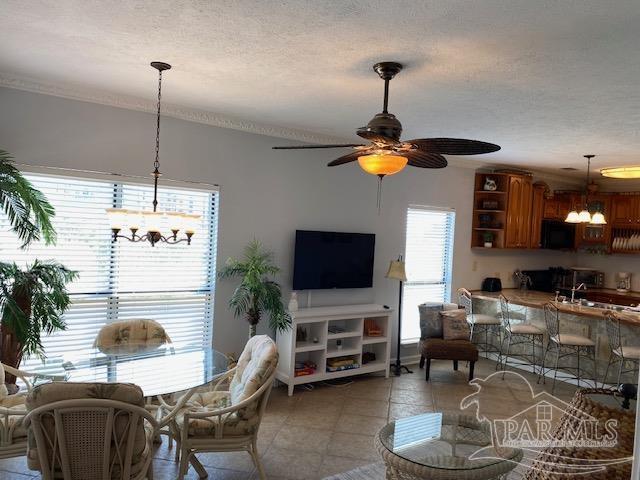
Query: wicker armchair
x=70, y=425
x=225, y=421
x=13, y=434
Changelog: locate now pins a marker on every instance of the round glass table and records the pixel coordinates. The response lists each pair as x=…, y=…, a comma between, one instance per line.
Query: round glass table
x=163, y=370
x=440, y=446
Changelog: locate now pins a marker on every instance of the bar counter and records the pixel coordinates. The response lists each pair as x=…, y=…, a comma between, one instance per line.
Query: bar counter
x=535, y=299
x=526, y=305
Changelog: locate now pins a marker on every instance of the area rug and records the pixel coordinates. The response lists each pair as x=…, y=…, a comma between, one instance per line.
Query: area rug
x=375, y=471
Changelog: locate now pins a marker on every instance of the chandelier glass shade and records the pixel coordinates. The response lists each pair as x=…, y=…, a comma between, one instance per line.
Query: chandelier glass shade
x=585, y=216
x=154, y=226
x=382, y=163
x=632, y=171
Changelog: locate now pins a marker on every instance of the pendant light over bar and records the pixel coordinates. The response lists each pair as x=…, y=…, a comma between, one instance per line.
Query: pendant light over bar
x=631, y=171
x=155, y=224
x=585, y=216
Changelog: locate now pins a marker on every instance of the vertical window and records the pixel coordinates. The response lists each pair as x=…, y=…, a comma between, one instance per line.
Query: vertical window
x=172, y=284
x=428, y=262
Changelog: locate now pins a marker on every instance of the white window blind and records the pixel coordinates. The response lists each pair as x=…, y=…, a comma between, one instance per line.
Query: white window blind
x=172, y=284
x=428, y=262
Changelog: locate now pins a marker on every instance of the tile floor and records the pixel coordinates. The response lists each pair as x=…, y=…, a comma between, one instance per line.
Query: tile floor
x=328, y=430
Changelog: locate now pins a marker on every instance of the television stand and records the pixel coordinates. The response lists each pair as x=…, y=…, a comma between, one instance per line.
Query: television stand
x=331, y=342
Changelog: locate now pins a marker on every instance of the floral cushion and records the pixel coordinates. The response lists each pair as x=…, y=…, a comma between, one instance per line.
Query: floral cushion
x=3, y=388
x=131, y=336
x=255, y=365
x=58, y=391
x=454, y=325
x=430, y=321
x=14, y=428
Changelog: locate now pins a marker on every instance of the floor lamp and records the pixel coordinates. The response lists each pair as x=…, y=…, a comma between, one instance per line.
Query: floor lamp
x=396, y=272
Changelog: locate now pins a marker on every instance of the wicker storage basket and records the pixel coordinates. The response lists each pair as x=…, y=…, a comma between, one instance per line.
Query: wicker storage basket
x=581, y=406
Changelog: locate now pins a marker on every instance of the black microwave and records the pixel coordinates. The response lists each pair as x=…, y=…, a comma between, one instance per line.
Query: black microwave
x=557, y=235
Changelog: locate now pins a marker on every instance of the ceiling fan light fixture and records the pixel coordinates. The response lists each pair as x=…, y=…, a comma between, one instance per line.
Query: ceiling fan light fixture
x=382, y=163
x=632, y=171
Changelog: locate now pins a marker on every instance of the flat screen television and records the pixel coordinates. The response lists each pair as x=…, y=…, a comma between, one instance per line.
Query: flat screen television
x=333, y=260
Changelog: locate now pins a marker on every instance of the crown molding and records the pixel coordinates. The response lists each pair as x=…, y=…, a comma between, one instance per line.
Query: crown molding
x=141, y=105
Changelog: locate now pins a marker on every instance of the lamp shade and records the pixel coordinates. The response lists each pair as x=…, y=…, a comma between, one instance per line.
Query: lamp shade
x=396, y=270
x=572, y=217
x=598, y=219
x=382, y=164
x=584, y=216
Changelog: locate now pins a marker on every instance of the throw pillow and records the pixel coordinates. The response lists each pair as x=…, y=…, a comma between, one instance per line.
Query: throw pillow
x=454, y=325
x=430, y=321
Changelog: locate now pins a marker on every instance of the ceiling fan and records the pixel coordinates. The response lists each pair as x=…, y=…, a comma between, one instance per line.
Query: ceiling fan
x=386, y=154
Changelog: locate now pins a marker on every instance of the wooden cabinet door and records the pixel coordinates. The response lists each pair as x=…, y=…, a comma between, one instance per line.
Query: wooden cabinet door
x=537, y=213
x=623, y=207
x=518, y=212
x=566, y=203
x=550, y=208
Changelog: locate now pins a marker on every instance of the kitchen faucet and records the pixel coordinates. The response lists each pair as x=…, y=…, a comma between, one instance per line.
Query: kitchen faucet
x=582, y=286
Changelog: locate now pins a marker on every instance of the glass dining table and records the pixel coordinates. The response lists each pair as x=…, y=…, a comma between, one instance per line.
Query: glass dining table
x=167, y=369
x=164, y=370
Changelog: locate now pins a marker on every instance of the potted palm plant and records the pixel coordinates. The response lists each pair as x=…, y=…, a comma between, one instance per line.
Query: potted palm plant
x=257, y=294
x=31, y=300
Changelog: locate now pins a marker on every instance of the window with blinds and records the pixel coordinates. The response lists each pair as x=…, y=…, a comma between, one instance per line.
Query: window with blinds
x=172, y=284
x=428, y=263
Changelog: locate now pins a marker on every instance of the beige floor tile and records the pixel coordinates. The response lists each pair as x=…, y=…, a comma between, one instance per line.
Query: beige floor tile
x=360, y=424
x=302, y=439
x=403, y=410
x=371, y=408
x=292, y=464
x=353, y=446
x=312, y=419
x=413, y=381
x=370, y=392
x=239, y=461
x=332, y=465
x=168, y=470
x=415, y=397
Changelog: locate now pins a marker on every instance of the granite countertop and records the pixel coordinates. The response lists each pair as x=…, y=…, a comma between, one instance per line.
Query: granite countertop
x=535, y=299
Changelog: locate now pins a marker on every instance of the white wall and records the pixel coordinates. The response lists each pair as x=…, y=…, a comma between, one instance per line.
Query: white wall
x=265, y=193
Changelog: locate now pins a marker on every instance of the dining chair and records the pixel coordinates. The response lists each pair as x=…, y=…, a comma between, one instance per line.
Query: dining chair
x=620, y=353
x=130, y=336
x=89, y=431
x=216, y=420
x=13, y=435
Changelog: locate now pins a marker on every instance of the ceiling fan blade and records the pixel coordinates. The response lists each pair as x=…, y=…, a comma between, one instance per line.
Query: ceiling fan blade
x=418, y=158
x=302, y=147
x=350, y=157
x=376, y=137
x=454, y=146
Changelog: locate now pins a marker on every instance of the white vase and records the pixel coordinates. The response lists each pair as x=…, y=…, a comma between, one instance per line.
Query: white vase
x=293, y=302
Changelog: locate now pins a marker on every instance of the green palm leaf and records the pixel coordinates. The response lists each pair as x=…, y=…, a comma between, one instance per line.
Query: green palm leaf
x=26, y=207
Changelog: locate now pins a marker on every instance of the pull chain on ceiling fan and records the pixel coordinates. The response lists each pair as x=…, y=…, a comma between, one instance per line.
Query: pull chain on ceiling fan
x=386, y=154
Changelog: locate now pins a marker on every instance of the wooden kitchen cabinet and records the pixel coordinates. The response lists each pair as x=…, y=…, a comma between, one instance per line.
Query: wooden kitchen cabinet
x=559, y=206
x=519, y=200
x=625, y=209
x=537, y=213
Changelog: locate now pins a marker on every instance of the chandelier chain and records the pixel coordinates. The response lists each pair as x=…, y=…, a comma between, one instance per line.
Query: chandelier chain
x=156, y=164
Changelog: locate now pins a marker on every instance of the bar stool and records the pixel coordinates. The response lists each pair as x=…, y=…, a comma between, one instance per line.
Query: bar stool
x=480, y=323
x=565, y=345
x=520, y=334
x=620, y=353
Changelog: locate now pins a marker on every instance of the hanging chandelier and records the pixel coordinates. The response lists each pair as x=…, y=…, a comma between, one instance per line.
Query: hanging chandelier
x=157, y=226
x=585, y=216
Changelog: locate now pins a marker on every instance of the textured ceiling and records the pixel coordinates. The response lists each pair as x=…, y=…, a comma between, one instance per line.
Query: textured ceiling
x=547, y=80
